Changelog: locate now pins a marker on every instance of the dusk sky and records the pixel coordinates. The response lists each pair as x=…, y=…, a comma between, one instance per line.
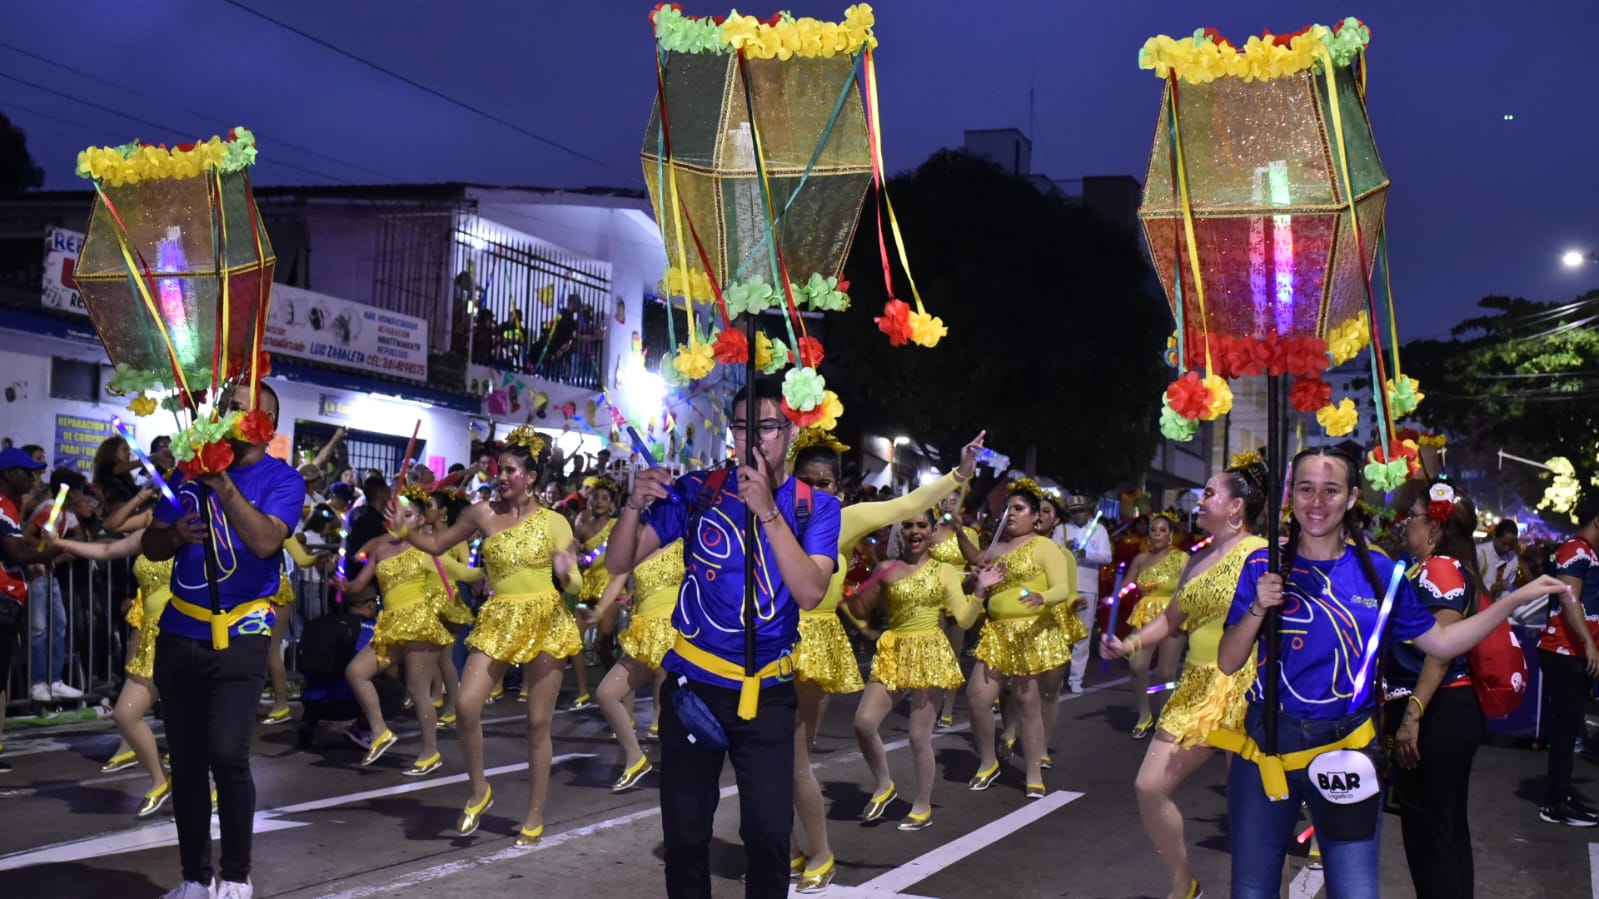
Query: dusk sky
x=1479, y=204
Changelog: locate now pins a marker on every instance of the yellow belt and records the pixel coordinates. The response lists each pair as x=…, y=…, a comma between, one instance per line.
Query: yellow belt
x=1274, y=768
x=749, y=687
x=220, y=621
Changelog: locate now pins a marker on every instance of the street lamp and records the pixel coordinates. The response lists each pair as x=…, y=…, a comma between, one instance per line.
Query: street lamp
x=1577, y=259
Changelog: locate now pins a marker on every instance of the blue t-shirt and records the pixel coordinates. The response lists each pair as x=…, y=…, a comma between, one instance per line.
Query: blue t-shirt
x=1440, y=583
x=710, y=604
x=274, y=489
x=1329, y=610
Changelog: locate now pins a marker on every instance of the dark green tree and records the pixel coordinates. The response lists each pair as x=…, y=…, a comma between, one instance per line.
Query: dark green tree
x=1522, y=378
x=1055, y=332
x=18, y=172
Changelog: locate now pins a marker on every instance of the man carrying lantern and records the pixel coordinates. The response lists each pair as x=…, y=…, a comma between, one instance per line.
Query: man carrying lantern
x=212, y=652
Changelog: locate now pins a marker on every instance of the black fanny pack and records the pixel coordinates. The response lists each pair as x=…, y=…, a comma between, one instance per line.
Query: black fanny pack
x=704, y=731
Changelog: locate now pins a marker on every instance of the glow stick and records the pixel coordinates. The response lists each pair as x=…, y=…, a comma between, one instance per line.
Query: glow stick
x=55, y=512
x=1161, y=688
x=1088, y=534
x=643, y=449
x=1115, y=604
x=999, y=531
x=149, y=466
x=1362, y=681
x=1307, y=833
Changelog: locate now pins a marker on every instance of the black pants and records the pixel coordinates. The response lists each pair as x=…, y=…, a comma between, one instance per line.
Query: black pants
x=208, y=700
x=1432, y=797
x=762, y=750
x=1565, y=683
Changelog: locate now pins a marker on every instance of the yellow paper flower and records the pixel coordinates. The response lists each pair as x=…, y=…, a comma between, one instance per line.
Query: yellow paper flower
x=1338, y=420
x=694, y=362
x=142, y=405
x=832, y=411
x=1345, y=341
x=927, y=330
x=763, y=350
x=1221, y=397
x=696, y=285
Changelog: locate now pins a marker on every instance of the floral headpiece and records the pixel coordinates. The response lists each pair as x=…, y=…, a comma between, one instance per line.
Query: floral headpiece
x=810, y=437
x=1167, y=516
x=1441, y=501
x=415, y=493
x=1245, y=459
x=528, y=436
x=607, y=484
x=1027, y=486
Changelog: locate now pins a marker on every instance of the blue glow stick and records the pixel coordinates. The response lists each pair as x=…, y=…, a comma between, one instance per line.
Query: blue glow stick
x=1362, y=681
x=1161, y=688
x=149, y=466
x=1115, y=605
x=643, y=449
x=1088, y=534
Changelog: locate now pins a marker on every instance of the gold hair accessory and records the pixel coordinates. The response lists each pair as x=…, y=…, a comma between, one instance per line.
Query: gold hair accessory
x=809, y=437
x=605, y=484
x=415, y=493
x=1027, y=486
x=526, y=435
x=1164, y=515
x=1245, y=459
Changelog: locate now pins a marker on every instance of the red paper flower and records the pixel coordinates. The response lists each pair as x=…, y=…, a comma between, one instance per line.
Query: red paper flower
x=256, y=427
x=810, y=352
x=1188, y=397
x=804, y=419
x=1399, y=450
x=895, y=322
x=213, y=457
x=731, y=347
x=1304, y=356
x=1310, y=394
x=1440, y=511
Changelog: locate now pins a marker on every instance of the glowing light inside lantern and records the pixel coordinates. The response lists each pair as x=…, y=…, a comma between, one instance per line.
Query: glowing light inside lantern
x=1271, y=186
x=169, y=291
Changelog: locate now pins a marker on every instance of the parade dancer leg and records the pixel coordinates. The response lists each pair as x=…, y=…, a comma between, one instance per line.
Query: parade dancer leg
x=481, y=676
x=1165, y=767
x=981, y=691
x=615, y=695
x=543, y=678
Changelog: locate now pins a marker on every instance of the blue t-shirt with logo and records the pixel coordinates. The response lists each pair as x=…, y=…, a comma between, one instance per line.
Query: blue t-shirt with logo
x=274, y=489
x=710, y=604
x=1329, y=610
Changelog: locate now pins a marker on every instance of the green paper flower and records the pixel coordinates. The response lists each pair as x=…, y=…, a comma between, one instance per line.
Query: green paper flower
x=1352, y=37
x=804, y=389
x=684, y=34
x=822, y=294
x=754, y=295
x=1387, y=476
x=779, y=359
x=127, y=379
x=1404, y=396
x=669, y=372
x=1174, y=426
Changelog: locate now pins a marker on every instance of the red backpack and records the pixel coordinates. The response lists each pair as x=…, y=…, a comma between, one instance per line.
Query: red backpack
x=1498, y=668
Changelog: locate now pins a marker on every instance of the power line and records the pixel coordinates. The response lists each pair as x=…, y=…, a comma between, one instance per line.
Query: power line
x=633, y=177
x=157, y=125
x=276, y=141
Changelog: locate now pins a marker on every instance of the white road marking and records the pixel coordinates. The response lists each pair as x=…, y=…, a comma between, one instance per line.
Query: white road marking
x=1593, y=868
x=154, y=836
x=926, y=865
x=1307, y=884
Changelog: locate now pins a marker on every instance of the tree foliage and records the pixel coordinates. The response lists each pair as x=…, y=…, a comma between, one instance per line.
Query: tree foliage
x=1055, y=331
x=18, y=172
x=1522, y=378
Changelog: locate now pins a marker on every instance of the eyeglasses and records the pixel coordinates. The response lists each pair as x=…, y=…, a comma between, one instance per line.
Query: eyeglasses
x=768, y=427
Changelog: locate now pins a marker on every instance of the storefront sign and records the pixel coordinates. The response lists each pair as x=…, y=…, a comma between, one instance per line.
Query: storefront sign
x=77, y=440
x=61, y=248
x=349, y=335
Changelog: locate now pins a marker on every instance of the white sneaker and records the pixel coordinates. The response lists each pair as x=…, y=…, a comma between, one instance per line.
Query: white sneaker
x=40, y=693
x=227, y=889
x=189, y=889
x=60, y=690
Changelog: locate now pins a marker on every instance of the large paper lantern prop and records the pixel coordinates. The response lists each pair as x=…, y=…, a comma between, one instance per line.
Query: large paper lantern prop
x=1263, y=210
x=763, y=142
x=176, y=272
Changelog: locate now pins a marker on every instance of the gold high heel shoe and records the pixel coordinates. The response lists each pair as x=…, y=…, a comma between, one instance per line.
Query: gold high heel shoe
x=816, y=880
x=879, y=803
x=472, y=815
x=528, y=837
x=984, y=778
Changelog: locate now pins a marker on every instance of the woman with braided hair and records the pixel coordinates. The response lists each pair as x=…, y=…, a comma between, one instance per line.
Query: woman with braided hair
x=408, y=631
x=527, y=549
x=1022, y=640
x=824, y=662
x=1205, y=698
x=1332, y=592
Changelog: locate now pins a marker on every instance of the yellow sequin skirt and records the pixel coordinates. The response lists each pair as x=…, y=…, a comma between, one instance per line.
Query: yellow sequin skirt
x=452, y=610
x=1206, y=700
x=1070, y=624
x=414, y=622
x=916, y=660
x=1015, y=647
x=647, y=639
x=135, y=616
x=824, y=655
x=285, y=594
x=1148, y=609
x=515, y=628
x=143, y=664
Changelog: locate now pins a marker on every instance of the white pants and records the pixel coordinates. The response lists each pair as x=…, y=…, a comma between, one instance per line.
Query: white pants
x=1080, y=649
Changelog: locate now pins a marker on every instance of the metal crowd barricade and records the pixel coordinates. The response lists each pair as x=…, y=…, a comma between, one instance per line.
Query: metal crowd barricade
x=93, y=633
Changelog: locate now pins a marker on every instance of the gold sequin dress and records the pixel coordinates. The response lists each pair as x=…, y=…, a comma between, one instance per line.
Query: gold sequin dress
x=407, y=616
x=824, y=655
x=443, y=589
x=1157, y=583
x=1207, y=699
x=525, y=616
x=1065, y=615
x=595, y=575
x=1018, y=639
x=913, y=653
x=155, y=588
x=948, y=550
x=656, y=582
x=285, y=595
